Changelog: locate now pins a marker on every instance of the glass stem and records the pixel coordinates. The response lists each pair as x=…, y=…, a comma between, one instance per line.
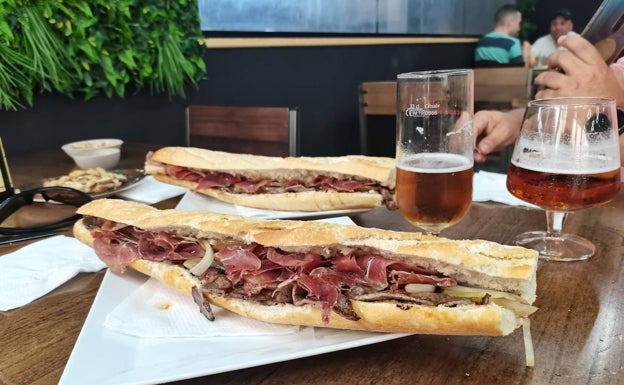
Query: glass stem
x=554, y=222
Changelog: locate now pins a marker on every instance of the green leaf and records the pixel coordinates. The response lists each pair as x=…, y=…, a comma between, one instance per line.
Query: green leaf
x=84, y=8
x=90, y=52
x=127, y=57
x=87, y=79
x=5, y=32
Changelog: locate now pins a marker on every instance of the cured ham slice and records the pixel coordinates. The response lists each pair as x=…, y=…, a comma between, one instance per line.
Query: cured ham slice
x=260, y=273
x=241, y=185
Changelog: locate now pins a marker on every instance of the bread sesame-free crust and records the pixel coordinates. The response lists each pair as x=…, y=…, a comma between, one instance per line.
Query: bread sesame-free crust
x=379, y=169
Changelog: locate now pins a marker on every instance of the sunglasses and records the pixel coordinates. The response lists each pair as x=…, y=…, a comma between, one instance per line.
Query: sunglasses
x=55, y=217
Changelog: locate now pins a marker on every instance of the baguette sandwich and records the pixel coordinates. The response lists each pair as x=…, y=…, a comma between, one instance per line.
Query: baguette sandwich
x=274, y=183
x=319, y=274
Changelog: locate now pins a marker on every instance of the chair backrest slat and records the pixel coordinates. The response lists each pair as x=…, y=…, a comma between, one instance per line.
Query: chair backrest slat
x=269, y=131
x=379, y=98
x=375, y=98
x=501, y=84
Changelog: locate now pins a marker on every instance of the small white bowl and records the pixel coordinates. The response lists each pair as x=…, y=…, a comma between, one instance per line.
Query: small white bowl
x=81, y=146
x=106, y=158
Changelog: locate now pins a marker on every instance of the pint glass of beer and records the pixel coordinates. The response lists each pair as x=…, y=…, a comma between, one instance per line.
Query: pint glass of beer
x=566, y=158
x=434, y=147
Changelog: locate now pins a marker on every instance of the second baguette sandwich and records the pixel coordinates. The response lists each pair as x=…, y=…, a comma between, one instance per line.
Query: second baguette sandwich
x=274, y=183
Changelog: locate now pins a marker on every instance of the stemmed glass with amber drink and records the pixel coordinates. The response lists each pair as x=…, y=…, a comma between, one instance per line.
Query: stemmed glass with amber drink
x=566, y=158
x=434, y=150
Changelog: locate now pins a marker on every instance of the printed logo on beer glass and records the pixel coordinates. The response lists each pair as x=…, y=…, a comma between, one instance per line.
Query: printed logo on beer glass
x=416, y=111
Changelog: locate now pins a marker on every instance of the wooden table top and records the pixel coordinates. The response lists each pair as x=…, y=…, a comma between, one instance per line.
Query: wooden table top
x=578, y=332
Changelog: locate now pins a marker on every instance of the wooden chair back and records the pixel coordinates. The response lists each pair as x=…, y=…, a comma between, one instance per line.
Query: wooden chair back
x=271, y=131
x=498, y=87
x=378, y=98
x=375, y=98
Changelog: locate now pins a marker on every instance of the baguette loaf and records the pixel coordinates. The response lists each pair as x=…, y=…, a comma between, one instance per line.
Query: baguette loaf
x=378, y=170
x=475, y=263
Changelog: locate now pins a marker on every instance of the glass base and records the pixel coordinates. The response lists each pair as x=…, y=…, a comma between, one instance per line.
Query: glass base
x=564, y=247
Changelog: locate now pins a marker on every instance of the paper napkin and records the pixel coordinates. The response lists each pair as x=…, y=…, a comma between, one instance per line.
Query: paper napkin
x=38, y=268
x=196, y=201
x=155, y=310
x=267, y=214
x=490, y=186
x=151, y=191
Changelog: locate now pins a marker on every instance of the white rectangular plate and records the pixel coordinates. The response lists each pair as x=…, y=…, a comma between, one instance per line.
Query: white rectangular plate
x=101, y=356
x=195, y=201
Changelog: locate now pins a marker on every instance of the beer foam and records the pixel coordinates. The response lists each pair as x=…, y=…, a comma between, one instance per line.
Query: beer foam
x=435, y=163
x=570, y=160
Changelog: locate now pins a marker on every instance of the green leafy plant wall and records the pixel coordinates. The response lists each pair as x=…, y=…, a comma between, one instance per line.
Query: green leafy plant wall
x=82, y=48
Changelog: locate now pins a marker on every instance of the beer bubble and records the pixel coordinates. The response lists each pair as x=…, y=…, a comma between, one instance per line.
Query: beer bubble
x=435, y=163
x=537, y=156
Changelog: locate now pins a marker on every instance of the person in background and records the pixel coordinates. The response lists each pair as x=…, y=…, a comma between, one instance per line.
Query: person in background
x=585, y=73
x=501, y=46
x=560, y=24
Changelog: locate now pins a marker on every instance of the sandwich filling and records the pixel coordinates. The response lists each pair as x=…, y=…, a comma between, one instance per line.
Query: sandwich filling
x=240, y=184
x=329, y=277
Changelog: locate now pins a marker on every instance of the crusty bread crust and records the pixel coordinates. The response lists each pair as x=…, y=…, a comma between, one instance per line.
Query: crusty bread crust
x=291, y=201
x=471, y=262
x=380, y=169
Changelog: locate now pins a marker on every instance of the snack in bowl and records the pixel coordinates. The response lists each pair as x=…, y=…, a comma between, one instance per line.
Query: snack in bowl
x=78, y=147
x=90, y=153
x=274, y=183
x=104, y=157
x=319, y=274
x=91, y=181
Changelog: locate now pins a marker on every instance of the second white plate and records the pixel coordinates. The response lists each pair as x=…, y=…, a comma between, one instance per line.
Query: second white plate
x=195, y=201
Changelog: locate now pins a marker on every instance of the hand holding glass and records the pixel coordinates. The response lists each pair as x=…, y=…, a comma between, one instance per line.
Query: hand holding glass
x=434, y=147
x=566, y=158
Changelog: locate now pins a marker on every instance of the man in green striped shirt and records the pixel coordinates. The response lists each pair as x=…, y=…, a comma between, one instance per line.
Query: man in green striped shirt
x=501, y=46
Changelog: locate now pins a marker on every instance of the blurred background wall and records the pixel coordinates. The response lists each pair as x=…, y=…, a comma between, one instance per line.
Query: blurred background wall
x=321, y=81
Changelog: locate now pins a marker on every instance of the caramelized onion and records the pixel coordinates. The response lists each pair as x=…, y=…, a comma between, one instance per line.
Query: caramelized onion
x=519, y=308
x=419, y=288
x=474, y=292
x=200, y=267
x=528, y=342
